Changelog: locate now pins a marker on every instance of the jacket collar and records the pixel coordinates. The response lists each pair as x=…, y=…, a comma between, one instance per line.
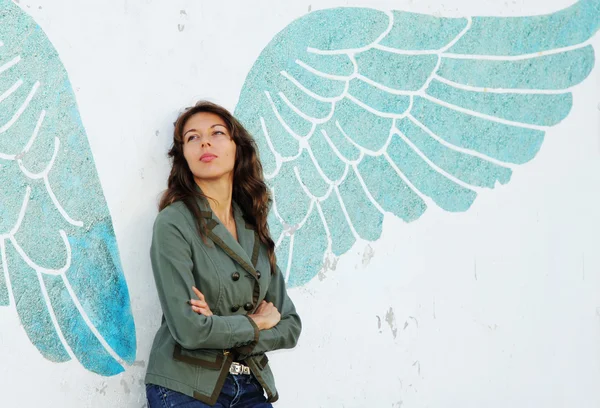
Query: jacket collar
x=245, y=250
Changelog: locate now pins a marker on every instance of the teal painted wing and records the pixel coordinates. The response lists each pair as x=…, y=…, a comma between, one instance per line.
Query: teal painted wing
x=359, y=113
x=59, y=259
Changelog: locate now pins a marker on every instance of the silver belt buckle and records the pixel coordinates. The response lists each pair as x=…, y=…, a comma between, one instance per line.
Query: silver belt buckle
x=237, y=369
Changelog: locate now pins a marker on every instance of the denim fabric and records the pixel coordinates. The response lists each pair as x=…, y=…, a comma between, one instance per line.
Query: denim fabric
x=239, y=391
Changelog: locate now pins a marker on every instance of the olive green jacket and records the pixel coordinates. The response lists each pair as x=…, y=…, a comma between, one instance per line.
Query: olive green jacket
x=192, y=353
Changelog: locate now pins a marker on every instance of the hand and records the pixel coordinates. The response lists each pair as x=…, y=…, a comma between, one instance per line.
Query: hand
x=200, y=306
x=266, y=316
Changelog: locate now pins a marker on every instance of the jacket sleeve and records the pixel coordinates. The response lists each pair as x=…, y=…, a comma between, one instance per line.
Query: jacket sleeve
x=172, y=265
x=286, y=333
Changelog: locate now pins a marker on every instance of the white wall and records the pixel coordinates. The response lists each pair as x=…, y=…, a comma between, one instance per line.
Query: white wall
x=495, y=307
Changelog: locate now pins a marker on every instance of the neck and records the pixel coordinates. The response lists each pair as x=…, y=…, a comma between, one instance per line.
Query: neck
x=219, y=193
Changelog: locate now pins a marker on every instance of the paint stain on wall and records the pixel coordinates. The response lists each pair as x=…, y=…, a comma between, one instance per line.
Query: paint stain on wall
x=360, y=113
x=368, y=254
x=391, y=321
x=413, y=319
x=125, y=386
x=184, y=16
x=102, y=390
x=329, y=265
x=139, y=363
x=417, y=366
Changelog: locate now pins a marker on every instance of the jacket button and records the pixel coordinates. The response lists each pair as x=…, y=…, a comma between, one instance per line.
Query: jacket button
x=258, y=274
x=235, y=276
x=235, y=308
x=248, y=306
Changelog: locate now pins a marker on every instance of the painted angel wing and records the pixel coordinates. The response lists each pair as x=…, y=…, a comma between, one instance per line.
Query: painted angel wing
x=359, y=112
x=59, y=257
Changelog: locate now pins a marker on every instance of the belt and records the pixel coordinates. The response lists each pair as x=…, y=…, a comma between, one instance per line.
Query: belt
x=237, y=369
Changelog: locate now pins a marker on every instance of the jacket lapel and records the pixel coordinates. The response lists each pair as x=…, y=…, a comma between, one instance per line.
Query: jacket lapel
x=247, y=237
x=242, y=252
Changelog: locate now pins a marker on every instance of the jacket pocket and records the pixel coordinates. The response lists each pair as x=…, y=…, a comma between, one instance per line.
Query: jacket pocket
x=211, y=359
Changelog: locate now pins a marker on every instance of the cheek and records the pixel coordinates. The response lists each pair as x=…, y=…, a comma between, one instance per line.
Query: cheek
x=188, y=153
x=231, y=155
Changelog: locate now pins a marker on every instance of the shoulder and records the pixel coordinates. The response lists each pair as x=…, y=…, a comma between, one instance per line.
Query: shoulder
x=175, y=215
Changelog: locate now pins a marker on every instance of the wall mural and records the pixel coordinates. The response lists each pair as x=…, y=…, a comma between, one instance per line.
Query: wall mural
x=59, y=259
x=360, y=112
x=357, y=113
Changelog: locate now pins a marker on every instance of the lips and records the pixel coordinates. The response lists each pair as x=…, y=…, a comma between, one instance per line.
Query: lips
x=207, y=157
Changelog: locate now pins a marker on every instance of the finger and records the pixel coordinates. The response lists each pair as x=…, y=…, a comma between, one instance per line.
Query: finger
x=202, y=310
x=199, y=303
x=198, y=293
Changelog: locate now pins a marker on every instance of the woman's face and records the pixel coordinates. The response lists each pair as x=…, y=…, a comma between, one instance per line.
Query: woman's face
x=208, y=147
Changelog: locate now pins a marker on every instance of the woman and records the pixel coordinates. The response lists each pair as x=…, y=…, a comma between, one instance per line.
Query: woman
x=223, y=297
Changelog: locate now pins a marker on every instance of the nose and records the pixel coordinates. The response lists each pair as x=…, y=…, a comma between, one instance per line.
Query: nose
x=205, y=143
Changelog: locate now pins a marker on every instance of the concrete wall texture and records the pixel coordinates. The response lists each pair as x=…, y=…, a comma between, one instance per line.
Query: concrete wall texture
x=435, y=168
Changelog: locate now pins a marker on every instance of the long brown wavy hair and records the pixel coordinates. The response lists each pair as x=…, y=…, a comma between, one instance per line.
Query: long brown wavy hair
x=249, y=189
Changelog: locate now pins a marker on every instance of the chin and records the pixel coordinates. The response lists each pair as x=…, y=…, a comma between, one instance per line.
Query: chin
x=211, y=175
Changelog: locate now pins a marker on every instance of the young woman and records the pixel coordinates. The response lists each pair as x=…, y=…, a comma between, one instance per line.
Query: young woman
x=223, y=298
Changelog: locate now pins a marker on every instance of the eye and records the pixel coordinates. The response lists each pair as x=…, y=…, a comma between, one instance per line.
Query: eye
x=192, y=137
x=219, y=132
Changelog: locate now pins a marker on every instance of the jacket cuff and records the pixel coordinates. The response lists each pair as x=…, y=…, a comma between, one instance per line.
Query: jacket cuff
x=246, y=349
x=243, y=331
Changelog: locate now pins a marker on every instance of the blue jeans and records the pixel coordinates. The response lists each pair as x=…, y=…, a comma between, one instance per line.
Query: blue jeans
x=239, y=391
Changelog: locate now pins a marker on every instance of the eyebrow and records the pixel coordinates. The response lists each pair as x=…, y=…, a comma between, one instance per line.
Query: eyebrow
x=194, y=130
